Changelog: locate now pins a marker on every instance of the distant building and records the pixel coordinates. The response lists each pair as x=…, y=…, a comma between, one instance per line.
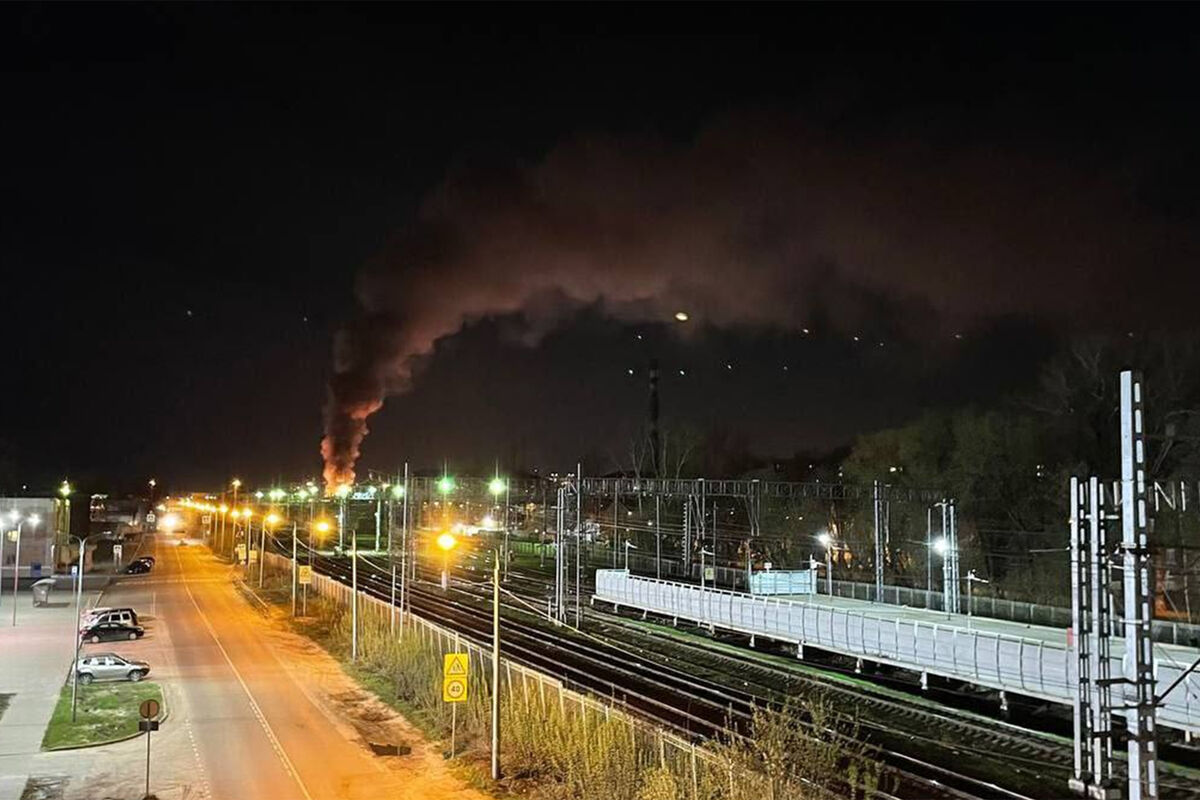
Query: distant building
x=38, y=541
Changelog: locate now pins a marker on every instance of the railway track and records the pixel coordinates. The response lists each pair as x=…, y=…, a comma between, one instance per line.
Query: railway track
x=693, y=706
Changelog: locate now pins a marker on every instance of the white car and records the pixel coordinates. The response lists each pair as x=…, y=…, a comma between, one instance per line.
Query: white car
x=110, y=667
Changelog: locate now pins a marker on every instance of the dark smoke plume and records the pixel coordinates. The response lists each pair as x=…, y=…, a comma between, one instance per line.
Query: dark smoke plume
x=757, y=222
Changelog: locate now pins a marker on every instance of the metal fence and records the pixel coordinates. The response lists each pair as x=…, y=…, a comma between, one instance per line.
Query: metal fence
x=683, y=756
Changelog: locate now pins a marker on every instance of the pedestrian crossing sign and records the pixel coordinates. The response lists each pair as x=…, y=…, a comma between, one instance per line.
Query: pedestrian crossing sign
x=305, y=575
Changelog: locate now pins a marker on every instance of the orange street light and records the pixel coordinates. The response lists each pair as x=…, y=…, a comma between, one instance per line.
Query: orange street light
x=447, y=542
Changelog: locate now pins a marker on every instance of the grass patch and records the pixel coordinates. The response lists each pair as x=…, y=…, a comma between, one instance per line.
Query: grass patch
x=105, y=711
x=555, y=747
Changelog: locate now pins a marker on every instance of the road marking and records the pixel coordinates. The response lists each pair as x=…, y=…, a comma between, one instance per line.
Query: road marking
x=262, y=720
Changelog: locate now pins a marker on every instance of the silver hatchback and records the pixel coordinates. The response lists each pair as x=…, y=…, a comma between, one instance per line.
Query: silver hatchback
x=110, y=667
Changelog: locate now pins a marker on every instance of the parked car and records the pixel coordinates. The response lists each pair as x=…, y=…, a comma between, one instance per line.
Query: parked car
x=139, y=567
x=124, y=615
x=109, y=667
x=108, y=631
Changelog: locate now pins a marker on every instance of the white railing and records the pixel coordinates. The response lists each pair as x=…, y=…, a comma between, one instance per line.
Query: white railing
x=1030, y=666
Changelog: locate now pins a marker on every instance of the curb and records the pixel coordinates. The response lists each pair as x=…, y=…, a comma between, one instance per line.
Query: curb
x=161, y=718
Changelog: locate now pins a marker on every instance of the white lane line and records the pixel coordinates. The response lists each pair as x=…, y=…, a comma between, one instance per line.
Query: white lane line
x=262, y=720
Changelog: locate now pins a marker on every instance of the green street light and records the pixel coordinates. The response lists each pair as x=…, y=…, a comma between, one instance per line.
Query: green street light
x=277, y=494
x=496, y=486
x=398, y=491
x=258, y=495
x=445, y=484
x=65, y=489
x=343, y=490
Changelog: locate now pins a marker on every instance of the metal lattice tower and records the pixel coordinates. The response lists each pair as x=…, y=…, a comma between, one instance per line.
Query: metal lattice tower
x=1139, y=595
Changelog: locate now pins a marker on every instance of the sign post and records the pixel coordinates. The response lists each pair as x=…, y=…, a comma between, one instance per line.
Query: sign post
x=118, y=552
x=148, y=711
x=455, y=668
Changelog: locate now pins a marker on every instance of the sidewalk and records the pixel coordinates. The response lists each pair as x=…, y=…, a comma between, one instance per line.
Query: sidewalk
x=37, y=656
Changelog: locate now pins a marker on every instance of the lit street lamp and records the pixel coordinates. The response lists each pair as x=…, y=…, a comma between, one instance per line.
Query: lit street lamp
x=971, y=579
x=75, y=631
x=446, y=542
x=499, y=486
x=826, y=541
x=33, y=519
x=269, y=519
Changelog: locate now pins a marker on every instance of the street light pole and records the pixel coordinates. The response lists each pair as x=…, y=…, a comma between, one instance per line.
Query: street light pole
x=971, y=578
x=496, y=670
x=294, y=567
x=354, y=597
x=78, y=598
x=32, y=518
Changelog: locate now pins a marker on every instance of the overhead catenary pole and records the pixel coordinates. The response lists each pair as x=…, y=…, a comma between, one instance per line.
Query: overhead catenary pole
x=878, y=518
x=579, y=539
x=657, y=536
x=1140, y=715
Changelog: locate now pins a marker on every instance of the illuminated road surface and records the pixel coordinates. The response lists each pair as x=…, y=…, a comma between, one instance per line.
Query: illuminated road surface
x=253, y=731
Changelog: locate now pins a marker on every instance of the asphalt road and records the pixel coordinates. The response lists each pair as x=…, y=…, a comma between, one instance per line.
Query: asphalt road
x=250, y=729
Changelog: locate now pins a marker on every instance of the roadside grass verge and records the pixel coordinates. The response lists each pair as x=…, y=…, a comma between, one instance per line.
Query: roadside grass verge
x=105, y=712
x=554, y=749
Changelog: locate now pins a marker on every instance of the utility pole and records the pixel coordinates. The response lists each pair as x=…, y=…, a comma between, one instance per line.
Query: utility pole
x=1138, y=575
x=294, y=567
x=496, y=669
x=354, y=597
x=657, y=536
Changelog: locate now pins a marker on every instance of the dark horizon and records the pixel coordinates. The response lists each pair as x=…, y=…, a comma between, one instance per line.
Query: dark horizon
x=199, y=198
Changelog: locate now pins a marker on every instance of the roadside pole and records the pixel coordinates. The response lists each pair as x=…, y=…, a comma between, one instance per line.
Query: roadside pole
x=392, y=615
x=78, y=599
x=354, y=596
x=496, y=669
x=262, y=551
x=293, y=568
x=17, y=571
x=148, y=711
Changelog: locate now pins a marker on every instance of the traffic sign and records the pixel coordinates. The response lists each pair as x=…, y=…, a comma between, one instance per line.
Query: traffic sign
x=709, y=574
x=253, y=556
x=455, y=667
x=305, y=575
x=207, y=518
x=148, y=709
x=118, y=551
x=151, y=517
x=241, y=552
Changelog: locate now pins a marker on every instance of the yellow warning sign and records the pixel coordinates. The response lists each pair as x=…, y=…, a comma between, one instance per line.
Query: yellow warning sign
x=454, y=677
x=455, y=665
x=305, y=575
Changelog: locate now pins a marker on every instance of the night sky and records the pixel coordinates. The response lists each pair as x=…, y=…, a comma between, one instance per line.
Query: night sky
x=197, y=198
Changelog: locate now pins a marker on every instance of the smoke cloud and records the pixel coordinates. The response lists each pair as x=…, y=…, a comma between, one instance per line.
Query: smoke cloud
x=757, y=222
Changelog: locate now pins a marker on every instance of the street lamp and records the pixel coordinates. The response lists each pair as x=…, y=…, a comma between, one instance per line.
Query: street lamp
x=825, y=539
x=322, y=528
x=34, y=520
x=628, y=546
x=971, y=579
x=78, y=637
x=447, y=543
x=499, y=486
x=269, y=519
